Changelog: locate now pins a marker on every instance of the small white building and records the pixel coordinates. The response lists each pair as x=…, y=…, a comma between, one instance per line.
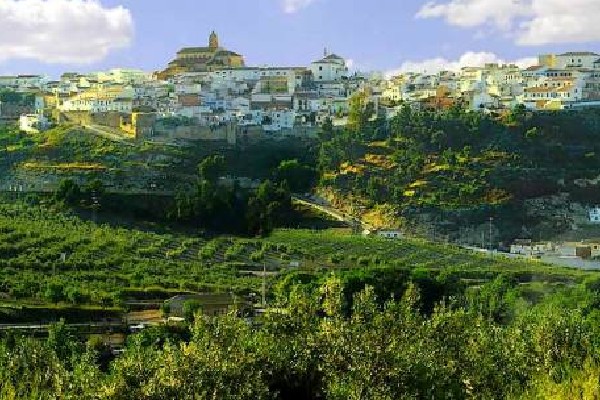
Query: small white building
x=33, y=123
x=390, y=234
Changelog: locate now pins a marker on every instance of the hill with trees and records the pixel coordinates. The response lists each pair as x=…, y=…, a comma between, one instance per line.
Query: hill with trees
x=457, y=168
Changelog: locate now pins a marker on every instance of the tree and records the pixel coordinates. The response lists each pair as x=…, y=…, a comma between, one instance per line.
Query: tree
x=361, y=110
x=54, y=292
x=211, y=168
x=94, y=187
x=298, y=178
x=68, y=191
x=61, y=340
x=326, y=132
x=190, y=308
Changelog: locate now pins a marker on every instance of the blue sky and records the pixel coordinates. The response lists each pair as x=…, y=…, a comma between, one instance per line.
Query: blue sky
x=52, y=36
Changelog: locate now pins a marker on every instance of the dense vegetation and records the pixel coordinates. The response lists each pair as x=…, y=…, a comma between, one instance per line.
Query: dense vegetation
x=488, y=344
x=463, y=167
x=222, y=208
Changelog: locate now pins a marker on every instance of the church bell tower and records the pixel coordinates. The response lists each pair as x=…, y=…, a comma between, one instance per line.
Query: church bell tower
x=213, y=41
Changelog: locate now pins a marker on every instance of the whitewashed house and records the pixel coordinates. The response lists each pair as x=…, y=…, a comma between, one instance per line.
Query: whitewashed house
x=331, y=68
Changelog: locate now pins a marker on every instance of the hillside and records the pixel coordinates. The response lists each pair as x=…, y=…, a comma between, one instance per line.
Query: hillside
x=39, y=162
x=449, y=172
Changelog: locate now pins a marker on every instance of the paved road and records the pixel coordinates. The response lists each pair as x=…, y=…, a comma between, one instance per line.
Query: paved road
x=571, y=262
x=332, y=212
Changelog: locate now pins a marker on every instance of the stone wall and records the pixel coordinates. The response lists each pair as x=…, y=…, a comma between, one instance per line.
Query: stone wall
x=145, y=125
x=194, y=132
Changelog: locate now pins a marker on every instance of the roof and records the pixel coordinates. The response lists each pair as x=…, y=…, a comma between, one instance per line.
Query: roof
x=562, y=78
x=226, y=53
x=564, y=89
x=549, y=89
x=331, y=58
x=540, y=89
x=579, y=53
x=196, y=50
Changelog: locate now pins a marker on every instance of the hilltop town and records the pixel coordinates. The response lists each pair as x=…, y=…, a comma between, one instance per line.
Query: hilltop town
x=143, y=132
x=211, y=87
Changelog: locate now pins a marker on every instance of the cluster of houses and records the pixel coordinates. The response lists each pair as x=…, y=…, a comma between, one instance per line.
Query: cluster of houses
x=211, y=86
x=557, y=82
x=587, y=249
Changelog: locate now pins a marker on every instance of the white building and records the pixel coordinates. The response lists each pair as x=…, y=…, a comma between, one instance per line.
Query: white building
x=330, y=68
x=584, y=59
x=122, y=75
x=390, y=234
x=245, y=78
x=22, y=82
x=279, y=119
x=531, y=249
x=8, y=81
x=33, y=123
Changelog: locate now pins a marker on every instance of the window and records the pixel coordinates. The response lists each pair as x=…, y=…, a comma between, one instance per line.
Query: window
x=320, y=68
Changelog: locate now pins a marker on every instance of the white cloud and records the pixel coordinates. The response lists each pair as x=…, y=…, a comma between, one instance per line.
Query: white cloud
x=292, y=6
x=62, y=31
x=530, y=22
x=469, y=59
x=471, y=13
x=559, y=21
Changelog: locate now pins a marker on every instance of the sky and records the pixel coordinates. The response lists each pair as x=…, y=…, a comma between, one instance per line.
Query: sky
x=54, y=36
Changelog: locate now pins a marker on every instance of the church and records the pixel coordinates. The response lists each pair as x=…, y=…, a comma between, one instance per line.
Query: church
x=202, y=59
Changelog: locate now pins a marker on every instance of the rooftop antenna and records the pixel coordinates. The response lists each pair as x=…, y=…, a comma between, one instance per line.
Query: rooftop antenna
x=325, y=52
